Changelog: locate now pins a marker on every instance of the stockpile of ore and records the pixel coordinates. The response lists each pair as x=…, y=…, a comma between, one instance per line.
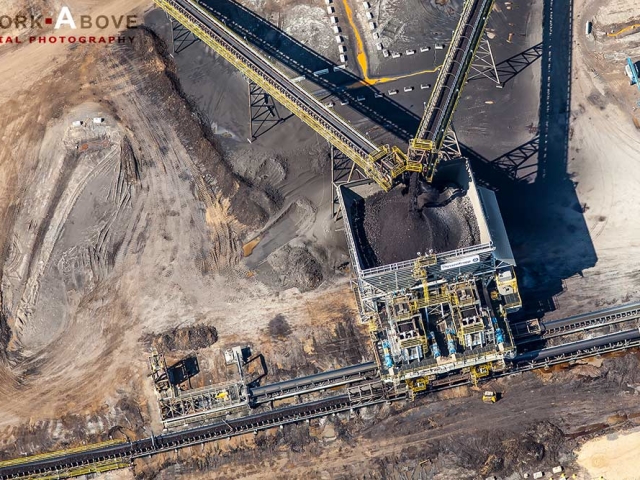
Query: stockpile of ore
x=392, y=227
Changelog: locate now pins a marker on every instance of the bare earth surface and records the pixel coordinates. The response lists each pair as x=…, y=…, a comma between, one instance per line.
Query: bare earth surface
x=129, y=233
x=604, y=156
x=613, y=453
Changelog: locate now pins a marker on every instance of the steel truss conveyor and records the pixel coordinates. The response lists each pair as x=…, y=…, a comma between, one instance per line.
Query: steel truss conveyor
x=380, y=163
x=118, y=454
x=424, y=149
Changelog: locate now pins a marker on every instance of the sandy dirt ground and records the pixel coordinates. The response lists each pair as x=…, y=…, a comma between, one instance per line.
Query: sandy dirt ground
x=124, y=229
x=604, y=156
x=564, y=166
x=612, y=456
x=616, y=453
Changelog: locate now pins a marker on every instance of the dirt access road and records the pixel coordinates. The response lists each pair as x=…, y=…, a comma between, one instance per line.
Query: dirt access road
x=114, y=232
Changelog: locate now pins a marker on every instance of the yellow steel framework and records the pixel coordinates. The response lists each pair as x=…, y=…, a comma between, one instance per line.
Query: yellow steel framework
x=58, y=453
x=479, y=371
x=376, y=165
x=100, y=467
x=382, y=165
x=427, y=153
x=508, y=288
x=431, y=299
x=417, y=385
x=419, y=266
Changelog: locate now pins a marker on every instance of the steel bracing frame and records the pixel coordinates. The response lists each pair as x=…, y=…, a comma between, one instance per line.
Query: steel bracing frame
x=343, y=170
x=377, y=162
x=450, y=146
x=192, y=405
x=181, y=37
x=484, y=65
x=382, y=164
x=467, y=37
x=263, y=111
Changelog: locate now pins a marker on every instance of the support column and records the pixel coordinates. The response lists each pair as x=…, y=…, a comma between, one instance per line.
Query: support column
x=450, y=147
x=343, y=170
x=484, y=65
x=263, y=113
x=181, y=37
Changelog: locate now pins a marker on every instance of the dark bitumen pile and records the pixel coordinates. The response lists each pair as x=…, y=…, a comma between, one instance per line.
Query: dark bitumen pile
x=392, y=227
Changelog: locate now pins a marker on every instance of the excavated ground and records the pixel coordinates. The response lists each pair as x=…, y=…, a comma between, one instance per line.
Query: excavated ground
x=130, y=234
x=540, y=421
x=127, y=234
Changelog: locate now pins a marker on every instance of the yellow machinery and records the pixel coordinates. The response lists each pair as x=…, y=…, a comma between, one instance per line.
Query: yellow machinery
x=489, y=397
x=508, y=288
x=623, y=30
x=417, y=385
x=479, y=371
x=222, y=396
x=419, y=266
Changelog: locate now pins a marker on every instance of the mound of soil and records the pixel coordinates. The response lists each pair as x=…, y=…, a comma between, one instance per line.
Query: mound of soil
x=186, y=338
x=393, y=227
x=296, y=267
x=279, y=327
x=248, y=203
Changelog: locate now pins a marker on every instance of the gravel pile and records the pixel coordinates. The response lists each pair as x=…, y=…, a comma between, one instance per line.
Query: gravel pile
x=392, y=227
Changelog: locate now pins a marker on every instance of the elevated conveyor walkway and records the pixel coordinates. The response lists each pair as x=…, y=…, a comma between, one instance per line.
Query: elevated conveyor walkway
x=380, y=163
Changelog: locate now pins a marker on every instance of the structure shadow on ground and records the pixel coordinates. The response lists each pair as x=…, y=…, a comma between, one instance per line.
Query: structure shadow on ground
x=508, y=69
x=302, y=60
x=542, y=213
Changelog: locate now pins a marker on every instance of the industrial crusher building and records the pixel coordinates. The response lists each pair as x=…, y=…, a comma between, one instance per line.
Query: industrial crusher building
x=443, y=312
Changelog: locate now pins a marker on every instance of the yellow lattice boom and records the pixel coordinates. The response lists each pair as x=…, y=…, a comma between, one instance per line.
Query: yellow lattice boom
x=377, y=165
x=100, y=467
x=382, y=164
x=58, y=453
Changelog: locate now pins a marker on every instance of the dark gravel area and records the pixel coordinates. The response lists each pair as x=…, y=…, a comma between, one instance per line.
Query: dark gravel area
x=392, y=227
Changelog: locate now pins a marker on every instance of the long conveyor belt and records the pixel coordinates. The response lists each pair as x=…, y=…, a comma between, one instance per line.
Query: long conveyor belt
x=377, y=162
x=424, y=149
x=380, y=163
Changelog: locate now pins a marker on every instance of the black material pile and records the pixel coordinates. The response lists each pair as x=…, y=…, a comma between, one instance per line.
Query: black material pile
x=394, y=226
